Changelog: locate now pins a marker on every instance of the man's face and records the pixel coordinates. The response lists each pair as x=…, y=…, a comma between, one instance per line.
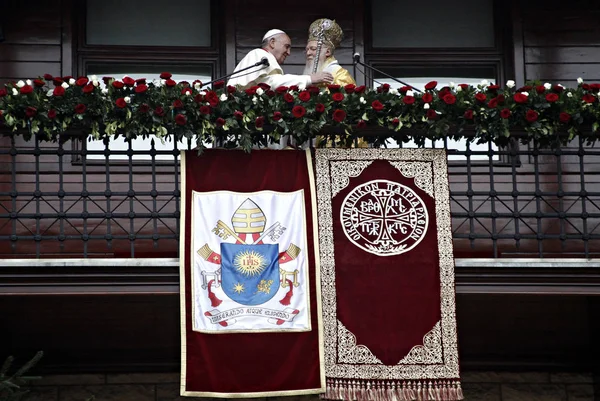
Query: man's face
x=311, y=53
x=280, y=47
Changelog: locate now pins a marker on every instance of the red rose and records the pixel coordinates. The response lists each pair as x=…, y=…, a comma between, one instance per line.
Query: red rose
x=349, y=88
x=281, y=89
x=431, y=114
x=144, y=108
x=82, y=81
x=231, y=89
x=120, y=102
x=431, y=85
x=540, y=89
x=30, y=111
x=385, y=88
x=88, y=88
x=551, y=97
x=443, y=92
x=531, y=115
x=38, y=83
x=333, y=87
x=80, y=108
x=360, y=89
x=218, y=84
x=270, y=93
x=220, y=122
x=170, y=83
x=205, y=110
x=180, y=119
x=404, y=89
x=493, y=103
x=118, y=84
x=298, y=111
x=58, y=91
x=3, y=92
x=449, y=99
x=57, y=81
x=52, y=114
x=319, y=107
x=361, y=124
x=107, y=80
x=141, y=88
x=337, y=97
x=288, y=98
x=463, y=86
x=377, y=106
x=558, y=88
x=140, y=81
x=500, y=98
x=251, y=91
x=427, y=97
x=564, y=117
x=493, y=88
x=238, y=115
x=520, y=98
x=178, y=104
x=595, y=86
x=277, y=116
x=313, y=89
x=408, y=99
x=395, y=122
x=159, y=111
x=165, y=75
x=198, y=98
x=525, y=88
x=505, y=113
x=294, y=88
x=468, y=115
x=26, y=89
x=304, y=96
x=264, y=86
x=48, y=77
x=480, y=97
x=339, y=115
x=259, y=122
x=589, y=98
x=212, y=98
x=185, y=91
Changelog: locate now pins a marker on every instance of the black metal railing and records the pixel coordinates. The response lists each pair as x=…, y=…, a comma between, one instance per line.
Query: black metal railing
x=80, y=198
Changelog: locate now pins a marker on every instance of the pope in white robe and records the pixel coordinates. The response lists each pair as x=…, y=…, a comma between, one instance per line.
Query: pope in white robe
x=276, y=46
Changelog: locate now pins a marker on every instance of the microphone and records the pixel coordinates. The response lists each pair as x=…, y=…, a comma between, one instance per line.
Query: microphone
x=263, y=61
x=356, y=59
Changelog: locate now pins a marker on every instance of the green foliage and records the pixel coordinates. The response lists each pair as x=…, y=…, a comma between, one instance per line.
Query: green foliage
x=11, y=383
x=549, y=114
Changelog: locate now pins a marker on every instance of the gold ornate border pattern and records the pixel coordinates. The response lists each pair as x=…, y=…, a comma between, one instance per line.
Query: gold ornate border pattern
x=346, y=359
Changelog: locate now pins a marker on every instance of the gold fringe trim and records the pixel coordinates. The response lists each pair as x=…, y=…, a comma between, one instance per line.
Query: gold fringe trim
x=393, y=390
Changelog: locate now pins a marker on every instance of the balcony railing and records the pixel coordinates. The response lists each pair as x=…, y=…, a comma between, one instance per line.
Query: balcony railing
x=72, y=200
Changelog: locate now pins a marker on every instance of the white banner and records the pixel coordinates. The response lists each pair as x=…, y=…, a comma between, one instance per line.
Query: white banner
x=250, y=267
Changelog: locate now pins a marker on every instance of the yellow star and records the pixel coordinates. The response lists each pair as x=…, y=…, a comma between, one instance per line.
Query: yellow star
x=239, y=288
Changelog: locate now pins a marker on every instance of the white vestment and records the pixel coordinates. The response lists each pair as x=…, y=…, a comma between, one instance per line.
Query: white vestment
x=272, y=74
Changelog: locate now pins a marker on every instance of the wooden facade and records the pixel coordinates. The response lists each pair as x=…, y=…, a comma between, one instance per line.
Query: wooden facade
x=129, y=319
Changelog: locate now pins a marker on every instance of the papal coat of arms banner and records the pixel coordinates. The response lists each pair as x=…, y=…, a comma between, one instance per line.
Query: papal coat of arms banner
x=250, y=299
x=387, y=275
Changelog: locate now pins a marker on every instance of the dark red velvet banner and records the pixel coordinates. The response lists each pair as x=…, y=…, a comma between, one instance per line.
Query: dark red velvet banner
x=387, y=275
x=248, y=364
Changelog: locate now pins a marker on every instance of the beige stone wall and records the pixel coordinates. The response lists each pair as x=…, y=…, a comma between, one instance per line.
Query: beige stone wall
x=478, y=386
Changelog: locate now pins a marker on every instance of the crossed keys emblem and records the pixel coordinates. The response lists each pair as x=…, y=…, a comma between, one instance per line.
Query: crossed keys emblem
x=223, y=231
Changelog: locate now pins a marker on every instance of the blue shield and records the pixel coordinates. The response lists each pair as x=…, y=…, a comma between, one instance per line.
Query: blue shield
x=250, y=273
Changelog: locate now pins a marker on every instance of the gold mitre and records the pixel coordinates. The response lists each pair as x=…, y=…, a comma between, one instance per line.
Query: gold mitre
x=332, y=33
x=248, y=218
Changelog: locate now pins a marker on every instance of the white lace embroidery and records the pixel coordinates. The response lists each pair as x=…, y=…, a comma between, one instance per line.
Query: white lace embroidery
x=341, y=361
x=421, y=172
x=341, y=173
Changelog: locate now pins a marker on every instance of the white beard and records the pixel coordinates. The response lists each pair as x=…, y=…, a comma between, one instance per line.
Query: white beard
x=310, y=65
